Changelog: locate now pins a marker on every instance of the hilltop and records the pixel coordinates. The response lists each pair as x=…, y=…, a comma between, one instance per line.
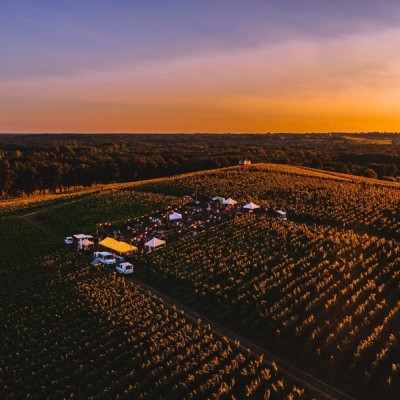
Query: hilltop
x=59, y=163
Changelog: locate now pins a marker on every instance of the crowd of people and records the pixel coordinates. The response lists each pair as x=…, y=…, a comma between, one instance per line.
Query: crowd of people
x=175, y=223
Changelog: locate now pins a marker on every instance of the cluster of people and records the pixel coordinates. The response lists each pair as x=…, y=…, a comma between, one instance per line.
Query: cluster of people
x=173, y=225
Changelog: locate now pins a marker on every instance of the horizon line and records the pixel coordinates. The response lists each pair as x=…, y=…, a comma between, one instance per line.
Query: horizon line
x=203, y=133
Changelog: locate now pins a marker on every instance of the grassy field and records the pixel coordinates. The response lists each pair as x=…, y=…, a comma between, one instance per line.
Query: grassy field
x=83, y=214
x=368, y=141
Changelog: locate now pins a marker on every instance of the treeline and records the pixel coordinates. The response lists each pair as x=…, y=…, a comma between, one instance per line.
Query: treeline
x=51, y=163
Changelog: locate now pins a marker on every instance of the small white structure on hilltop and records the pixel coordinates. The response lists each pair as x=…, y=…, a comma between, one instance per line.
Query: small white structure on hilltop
x=229, y=202
x=174, y=216
x=154, y=243
x=251, y=206
x=245, y=164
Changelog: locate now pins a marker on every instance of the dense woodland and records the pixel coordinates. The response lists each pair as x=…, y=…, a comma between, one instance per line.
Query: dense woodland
x=57, y=163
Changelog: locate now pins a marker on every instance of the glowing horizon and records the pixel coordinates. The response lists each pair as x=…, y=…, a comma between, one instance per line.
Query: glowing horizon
x=142, y=68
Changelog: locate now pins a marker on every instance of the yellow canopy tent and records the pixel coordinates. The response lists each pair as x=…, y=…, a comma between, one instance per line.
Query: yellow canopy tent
x=120, y=247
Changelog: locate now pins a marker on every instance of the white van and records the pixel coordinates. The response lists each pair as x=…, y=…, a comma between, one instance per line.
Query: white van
x=104, y=257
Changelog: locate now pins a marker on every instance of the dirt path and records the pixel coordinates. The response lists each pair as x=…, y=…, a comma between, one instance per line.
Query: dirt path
x=28, y=215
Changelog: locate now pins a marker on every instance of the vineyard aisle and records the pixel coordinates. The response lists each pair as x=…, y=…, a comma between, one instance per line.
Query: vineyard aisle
x=322, y=388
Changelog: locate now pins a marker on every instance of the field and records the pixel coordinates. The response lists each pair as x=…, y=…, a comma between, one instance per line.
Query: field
x=331, y=295
x=72, y=331
x=307, y=196
x=113, y=205
x=320, y=290
x=324, y=285
x=368, y=141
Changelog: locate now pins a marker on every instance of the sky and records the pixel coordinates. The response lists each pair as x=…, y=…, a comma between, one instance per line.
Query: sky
x=199, y=66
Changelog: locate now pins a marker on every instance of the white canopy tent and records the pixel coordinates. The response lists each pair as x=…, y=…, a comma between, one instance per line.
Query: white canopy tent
x=281, y=214
x=251, y=206
x=82, y=236
x=154, y=243
x=174, y=216
x=219, y=199
x=229, y=202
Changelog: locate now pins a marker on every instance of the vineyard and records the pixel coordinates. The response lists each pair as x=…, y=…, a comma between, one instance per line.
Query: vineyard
x=35, y=202
x=113, y=205
x=307, y=196
x=333, y=294
x=95, y=195
x=322, y=290
x=74, y=332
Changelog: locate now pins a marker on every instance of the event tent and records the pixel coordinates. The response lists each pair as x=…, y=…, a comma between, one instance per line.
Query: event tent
x=251, y=206
x=82, y=236
x=220, y=199
x=84, y=244
x=229, y=202
x=174, y=216
x=154, y=243
x=116, y=245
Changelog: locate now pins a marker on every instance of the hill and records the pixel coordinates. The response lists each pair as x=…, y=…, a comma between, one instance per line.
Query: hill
x=320, y=290
x=30, y=164
x=70, y=330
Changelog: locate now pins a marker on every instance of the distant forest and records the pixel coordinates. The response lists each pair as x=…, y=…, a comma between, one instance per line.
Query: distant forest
x=57, y=163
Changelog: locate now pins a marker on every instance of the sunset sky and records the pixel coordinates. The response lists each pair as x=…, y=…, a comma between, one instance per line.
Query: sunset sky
x=199, y=66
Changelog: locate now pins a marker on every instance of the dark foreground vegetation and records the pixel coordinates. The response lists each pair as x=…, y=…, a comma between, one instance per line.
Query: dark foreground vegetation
x=56, y=163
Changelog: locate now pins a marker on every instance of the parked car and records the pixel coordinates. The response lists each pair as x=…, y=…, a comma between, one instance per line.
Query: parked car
x=118, y=258
x=125, y=268
x=69, y=240
x=104, y=257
